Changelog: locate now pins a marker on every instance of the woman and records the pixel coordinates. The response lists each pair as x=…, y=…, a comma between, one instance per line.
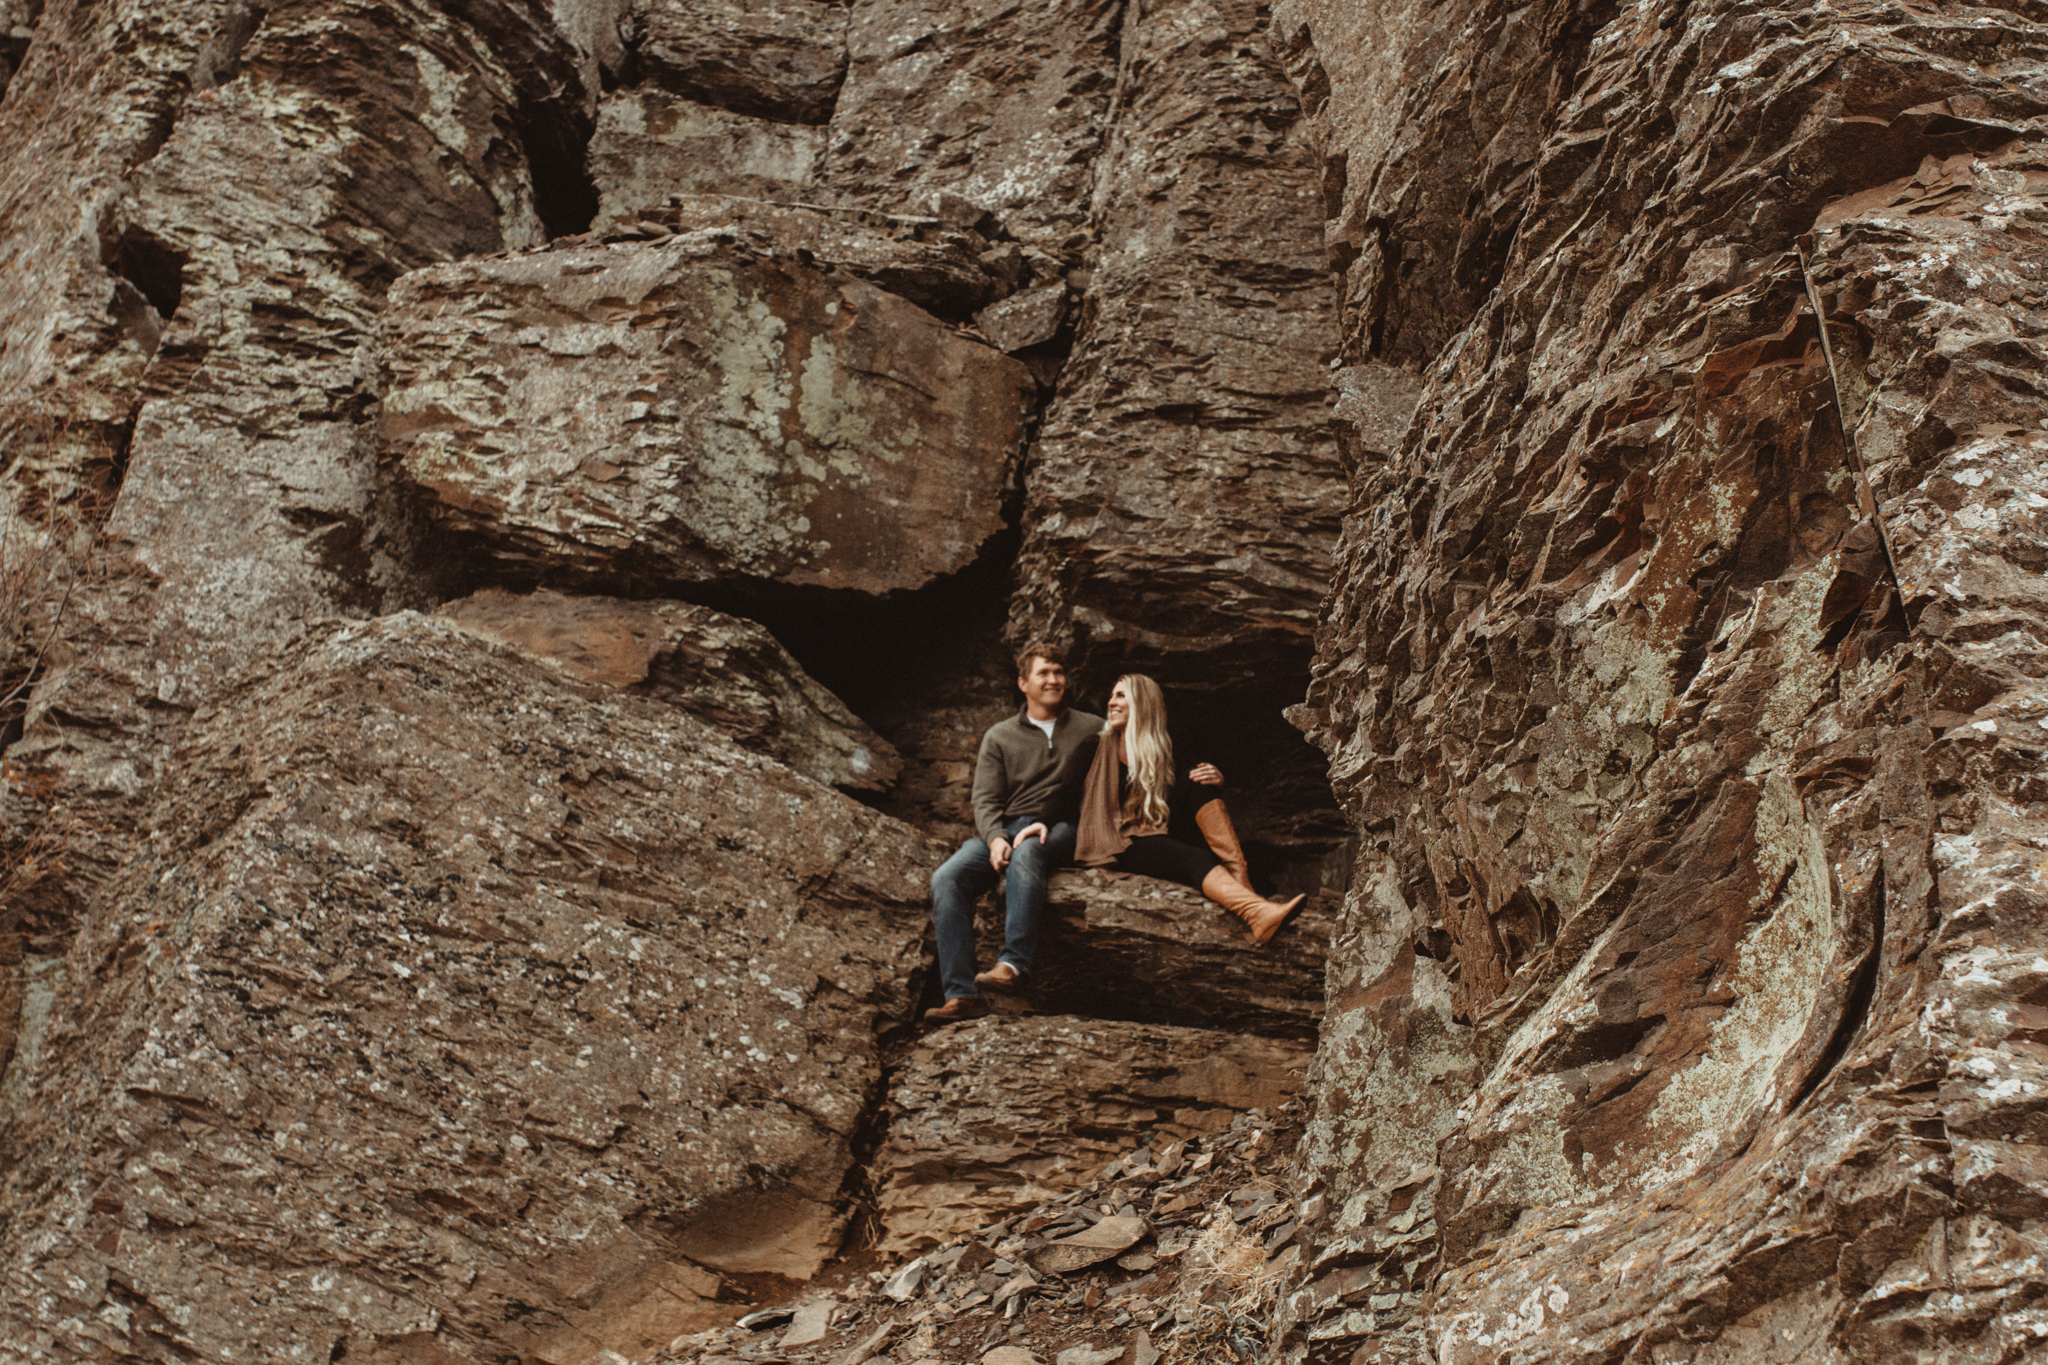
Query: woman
x=1128, y=803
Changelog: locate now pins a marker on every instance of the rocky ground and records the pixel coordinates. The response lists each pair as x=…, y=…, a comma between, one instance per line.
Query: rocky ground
x=1175, y=1253
x=513, y=517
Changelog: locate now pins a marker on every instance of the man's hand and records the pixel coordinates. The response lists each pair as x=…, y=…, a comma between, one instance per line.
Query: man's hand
x=1207, y=774
x=1037, y=828
x=999, y=854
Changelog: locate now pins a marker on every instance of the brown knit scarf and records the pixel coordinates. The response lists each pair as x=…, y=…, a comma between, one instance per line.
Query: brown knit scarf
x=1106, y=829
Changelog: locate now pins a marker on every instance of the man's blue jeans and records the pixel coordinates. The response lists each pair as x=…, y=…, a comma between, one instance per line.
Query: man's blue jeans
x=962, y=880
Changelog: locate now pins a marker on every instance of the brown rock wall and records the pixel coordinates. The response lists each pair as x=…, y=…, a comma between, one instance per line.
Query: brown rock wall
x=216, y=202
x=1671, y=843
x=1204, y=341
x=1001, y=106
x=1673, y=372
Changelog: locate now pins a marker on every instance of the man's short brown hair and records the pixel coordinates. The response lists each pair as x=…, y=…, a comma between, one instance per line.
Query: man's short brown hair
x=1051, y=653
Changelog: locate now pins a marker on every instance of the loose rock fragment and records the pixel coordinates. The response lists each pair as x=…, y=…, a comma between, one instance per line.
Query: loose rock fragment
x=810, y=1324
x=1024, y=320
x=902, y=1286
x=1010, y=1355
x=1096, y=1244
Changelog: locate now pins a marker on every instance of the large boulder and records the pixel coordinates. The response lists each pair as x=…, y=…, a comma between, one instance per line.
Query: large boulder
x=455, y=1011
x=725, y=671
x=991, y=1117
x=697, y=410
x=1120, y=947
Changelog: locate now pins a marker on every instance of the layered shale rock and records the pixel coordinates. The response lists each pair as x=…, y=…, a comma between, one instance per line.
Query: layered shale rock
x=1682, y=677
x=992, y=1117
x=1664, y=380
x=650, y=144
x=695, y=411
x=723, y=670
x=397, y=996
x=947, y=271
x=1184, y=494
x=978, y=110
x=210, y=204
x=1119, y=947
x=1213, y=1231
x=454, y=1011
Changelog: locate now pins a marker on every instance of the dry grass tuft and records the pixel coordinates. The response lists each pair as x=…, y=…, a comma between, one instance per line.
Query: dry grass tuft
x=1229, y=1294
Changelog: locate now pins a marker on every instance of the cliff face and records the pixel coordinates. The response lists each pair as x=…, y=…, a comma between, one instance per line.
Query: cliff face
x=520, y=510
x=1681, y=677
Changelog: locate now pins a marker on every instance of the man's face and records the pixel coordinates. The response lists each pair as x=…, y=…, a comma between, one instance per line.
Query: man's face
x=1044, y=685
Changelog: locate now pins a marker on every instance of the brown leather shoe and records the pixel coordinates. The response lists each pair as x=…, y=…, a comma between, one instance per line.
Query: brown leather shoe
x=956, y=1009
x=1001, y=977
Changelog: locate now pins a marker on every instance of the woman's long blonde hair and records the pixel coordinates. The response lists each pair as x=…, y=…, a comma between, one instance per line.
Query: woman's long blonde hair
x=1148, y=749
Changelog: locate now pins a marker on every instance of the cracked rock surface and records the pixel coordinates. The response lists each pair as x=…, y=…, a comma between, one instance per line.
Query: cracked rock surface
x=511, y=461
x=435, y=961
x=1681, y=677
x=693, y=410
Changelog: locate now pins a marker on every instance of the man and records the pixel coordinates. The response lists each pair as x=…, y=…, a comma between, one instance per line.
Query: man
x=1027, y=781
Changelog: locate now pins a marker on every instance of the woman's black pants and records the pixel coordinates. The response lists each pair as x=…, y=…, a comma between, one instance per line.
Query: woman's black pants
x=1156, y=855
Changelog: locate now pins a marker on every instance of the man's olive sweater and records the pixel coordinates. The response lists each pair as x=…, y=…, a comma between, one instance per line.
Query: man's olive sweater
x=1018, y=773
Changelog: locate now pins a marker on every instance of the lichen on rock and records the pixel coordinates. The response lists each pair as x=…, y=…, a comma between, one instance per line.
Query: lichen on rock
x=694, y=411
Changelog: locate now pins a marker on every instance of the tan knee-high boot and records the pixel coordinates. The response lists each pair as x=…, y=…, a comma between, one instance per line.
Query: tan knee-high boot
x=1213, y=819
x=1263, y=917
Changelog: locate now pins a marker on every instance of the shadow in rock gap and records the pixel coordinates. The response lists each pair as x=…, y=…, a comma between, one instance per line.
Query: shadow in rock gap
x=926, y=668
x=931, y=671
x=557, y=139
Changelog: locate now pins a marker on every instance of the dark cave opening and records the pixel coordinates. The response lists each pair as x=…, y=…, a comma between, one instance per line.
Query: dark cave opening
x=556, y=142
x=156, y=269
x=878, y=654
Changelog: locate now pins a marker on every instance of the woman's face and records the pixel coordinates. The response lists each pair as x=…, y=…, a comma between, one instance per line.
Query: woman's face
x=1119, y=710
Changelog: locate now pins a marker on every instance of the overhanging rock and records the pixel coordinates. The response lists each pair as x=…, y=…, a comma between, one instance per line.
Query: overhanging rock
x=725, y=671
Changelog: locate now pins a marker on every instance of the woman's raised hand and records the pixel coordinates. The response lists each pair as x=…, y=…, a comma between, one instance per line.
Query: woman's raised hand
x=1207, y=774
